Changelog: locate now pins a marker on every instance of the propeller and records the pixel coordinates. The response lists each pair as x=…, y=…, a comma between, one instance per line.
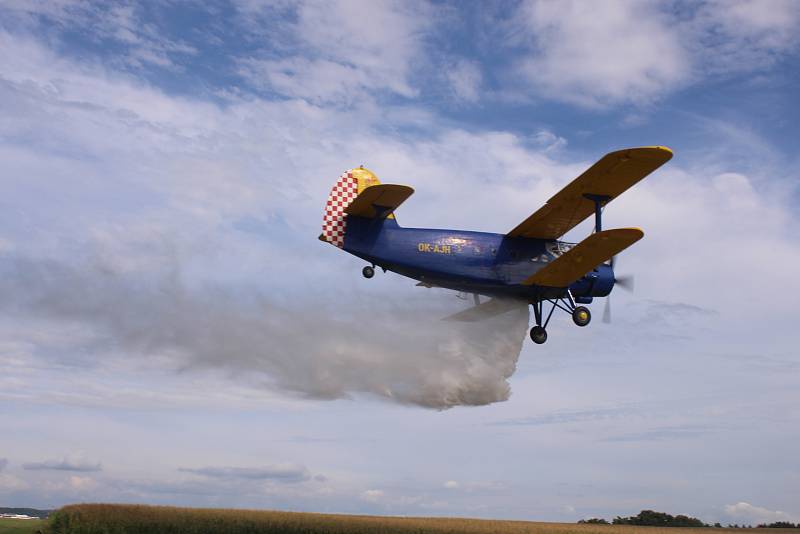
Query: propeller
x=625, y=282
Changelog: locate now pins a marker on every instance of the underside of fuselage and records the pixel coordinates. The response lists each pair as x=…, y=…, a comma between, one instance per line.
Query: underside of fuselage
x=474, y=262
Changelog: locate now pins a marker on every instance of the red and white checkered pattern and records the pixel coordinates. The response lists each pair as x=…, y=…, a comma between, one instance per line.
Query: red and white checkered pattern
x=334, y=223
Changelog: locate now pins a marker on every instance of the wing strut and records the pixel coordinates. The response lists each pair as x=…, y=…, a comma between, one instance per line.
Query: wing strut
x=599, y=202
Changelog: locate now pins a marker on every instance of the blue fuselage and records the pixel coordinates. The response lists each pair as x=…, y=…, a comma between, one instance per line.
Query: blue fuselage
x=475, y=262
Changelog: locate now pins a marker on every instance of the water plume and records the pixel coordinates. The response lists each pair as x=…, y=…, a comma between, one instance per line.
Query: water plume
x=402, y=352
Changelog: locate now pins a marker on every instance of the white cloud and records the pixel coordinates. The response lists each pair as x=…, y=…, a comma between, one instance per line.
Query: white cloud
x=549, y=141
x=142, y=42
x=741, y=35
x=465, y=79
x=372, y=495
x=347, y=49
x=743, y=511
x=9, y=484
x=633, y=52
x=624, y=51
x=82, y=483
x=317, y=80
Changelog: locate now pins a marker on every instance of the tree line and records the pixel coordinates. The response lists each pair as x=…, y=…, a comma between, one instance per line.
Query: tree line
x=650, y=518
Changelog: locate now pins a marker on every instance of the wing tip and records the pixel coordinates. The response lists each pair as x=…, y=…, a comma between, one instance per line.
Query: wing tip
x=661, y=152
x=656, y=152
x=638, y=232
x=633, y=232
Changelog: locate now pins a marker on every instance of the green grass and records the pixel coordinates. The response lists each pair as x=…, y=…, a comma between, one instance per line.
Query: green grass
x=133, y=519
x=21, y=526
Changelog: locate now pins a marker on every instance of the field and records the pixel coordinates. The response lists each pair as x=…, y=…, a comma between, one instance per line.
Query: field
x=20, y=526
x=131, y=519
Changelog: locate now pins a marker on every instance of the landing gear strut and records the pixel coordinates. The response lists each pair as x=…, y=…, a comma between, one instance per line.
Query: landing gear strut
x=368, y=271
x=581, y=315
x=538, y=333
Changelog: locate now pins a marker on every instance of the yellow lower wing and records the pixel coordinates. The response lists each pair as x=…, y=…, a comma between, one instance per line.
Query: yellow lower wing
x=584, y=257
x=379, y=201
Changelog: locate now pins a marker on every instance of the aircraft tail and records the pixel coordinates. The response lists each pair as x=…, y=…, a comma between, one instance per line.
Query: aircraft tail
x=349, y=185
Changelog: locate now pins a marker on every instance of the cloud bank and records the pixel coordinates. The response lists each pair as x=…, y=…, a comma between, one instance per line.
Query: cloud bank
x=633, y=52
x=65, y=464
x=281, y=473
x=755, y=514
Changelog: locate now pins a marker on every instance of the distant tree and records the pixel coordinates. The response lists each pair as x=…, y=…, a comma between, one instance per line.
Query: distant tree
x=650, y=518
x=717, y=525
x=780, y=524
x=594, y=521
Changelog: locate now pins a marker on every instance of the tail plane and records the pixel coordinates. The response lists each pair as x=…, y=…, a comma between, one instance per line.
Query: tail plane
x=359, y=193
x=349, y=185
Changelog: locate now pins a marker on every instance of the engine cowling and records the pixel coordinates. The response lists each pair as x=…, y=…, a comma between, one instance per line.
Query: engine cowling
x=597, y=283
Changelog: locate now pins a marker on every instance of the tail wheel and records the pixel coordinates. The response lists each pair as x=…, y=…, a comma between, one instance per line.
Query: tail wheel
x=538, y=335
x=368, y=272
x=581, y=316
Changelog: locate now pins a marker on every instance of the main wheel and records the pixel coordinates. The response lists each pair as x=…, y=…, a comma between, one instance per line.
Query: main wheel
x=581, y=316
x=368, y=272
x=538, y=334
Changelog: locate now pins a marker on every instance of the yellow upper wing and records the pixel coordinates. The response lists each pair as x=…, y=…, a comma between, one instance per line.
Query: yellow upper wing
x=610, y=177
x=379, y=200
x=584, y=257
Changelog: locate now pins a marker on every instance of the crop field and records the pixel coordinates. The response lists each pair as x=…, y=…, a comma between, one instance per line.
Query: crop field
x=134, y=519
x=20, y=526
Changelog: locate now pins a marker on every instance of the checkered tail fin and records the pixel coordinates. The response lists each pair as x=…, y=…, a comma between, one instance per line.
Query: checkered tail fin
x=345, y=190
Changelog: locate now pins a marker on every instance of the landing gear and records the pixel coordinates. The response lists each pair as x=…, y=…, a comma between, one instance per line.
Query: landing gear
x=581, y=316
x=368, y=272
x=538, y=334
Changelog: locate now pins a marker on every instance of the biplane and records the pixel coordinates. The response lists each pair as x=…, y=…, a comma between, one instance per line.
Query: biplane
x=528, y=265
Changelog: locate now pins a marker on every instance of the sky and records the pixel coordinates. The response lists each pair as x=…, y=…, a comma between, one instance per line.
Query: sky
x=172, y=331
